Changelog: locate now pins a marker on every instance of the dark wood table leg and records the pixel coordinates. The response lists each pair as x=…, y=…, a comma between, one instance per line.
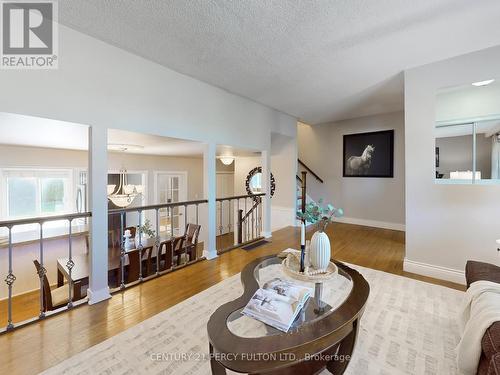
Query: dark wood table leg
x=345, y=351
x=60, y=278
x=217, y=368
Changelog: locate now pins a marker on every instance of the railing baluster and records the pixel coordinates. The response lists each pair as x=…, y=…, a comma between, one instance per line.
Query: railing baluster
x=10, y=281
x=70, y=264
x=221, y=222
x=246, y=222
x=229, y=217
x=157, y=241
x=253, y=224
x=140, y=245
x=197, y=221
x=41, y=273
x=122, y=250
x=185, y=239
x=170, y=214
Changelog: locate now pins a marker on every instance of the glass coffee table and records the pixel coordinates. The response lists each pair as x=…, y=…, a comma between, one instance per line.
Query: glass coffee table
x=323, y=335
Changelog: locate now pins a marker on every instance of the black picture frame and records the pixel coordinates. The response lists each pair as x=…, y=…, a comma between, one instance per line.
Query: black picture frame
x=381, y=160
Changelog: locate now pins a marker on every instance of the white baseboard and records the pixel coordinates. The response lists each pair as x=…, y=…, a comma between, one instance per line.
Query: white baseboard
x=372, y=223
x=437, y=272
x=98, y=295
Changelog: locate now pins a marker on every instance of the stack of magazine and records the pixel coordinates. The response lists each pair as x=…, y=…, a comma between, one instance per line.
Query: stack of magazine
x=277, y=303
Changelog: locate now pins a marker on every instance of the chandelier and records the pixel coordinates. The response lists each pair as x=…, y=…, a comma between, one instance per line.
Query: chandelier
x=126, y=193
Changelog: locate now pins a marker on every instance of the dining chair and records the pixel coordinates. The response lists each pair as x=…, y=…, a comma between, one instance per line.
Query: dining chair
x=132, y=270
x=188, y=243
x=58, y=297
x=165, y=254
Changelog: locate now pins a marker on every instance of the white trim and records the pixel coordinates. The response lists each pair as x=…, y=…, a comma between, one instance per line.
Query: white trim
x=209, y=255
x=267, y=234
x=225, y=172
x=437, y=272
x=98, y=296
x=372, y=223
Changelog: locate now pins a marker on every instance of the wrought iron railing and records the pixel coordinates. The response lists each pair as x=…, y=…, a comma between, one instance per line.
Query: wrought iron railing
x=239, y=220
x=11, y=278
x=165, y=249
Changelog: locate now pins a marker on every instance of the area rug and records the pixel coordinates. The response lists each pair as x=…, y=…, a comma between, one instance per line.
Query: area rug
x=409, y=327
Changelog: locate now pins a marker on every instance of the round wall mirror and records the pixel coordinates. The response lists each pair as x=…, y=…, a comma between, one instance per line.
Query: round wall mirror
x=254, y=182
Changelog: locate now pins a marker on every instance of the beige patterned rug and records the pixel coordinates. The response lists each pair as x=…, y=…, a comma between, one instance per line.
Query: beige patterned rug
x=409, y=327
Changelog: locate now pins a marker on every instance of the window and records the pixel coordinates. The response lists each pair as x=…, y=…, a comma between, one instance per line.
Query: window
x=36, y=192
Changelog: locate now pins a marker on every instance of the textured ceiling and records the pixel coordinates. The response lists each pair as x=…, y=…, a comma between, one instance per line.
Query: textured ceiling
x=319, y=60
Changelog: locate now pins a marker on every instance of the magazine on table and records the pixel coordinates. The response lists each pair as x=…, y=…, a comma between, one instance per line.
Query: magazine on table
x=277, y=303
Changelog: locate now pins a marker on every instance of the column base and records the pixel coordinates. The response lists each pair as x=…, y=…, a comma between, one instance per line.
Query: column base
x=267, y=234
x=210, y=254
x=98, y=295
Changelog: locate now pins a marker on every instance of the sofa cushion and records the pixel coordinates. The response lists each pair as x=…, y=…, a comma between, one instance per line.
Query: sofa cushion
x=475, y=271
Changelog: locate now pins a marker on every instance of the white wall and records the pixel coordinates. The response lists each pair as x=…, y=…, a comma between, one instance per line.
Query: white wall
x=445, y=224
x=103, y=86
x=468, y=102
x=367, y=201
x=283, y=167
x=18, y=156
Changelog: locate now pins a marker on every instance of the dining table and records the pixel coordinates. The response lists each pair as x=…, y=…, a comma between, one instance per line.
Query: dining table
x=81, y=263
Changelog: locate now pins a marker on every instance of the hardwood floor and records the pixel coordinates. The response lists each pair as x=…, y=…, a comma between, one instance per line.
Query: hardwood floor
x=41, y=345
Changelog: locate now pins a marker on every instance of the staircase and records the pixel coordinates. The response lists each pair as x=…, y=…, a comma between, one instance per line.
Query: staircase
x=302, y=197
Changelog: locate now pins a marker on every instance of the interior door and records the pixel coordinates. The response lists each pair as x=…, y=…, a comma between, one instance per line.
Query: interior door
x=171, y=188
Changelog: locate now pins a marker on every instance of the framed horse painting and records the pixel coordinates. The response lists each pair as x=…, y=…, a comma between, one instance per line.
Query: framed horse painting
x=369, y=154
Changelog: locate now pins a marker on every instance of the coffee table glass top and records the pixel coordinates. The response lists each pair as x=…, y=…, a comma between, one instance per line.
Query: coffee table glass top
x=325, y=298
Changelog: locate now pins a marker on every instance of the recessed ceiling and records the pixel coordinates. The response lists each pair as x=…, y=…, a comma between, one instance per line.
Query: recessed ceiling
x=40, y=132
x=319, y=60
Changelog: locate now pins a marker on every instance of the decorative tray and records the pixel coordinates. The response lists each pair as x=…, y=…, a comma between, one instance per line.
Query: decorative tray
x=291, y=267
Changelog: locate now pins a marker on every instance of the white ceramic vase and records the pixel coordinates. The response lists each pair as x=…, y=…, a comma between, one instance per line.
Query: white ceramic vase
x=319, y=252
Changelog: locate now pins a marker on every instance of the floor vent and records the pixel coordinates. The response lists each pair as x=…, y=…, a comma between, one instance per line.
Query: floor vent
x=255, y=245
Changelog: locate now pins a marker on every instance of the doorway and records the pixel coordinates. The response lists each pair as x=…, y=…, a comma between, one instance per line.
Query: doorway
x=171, y=187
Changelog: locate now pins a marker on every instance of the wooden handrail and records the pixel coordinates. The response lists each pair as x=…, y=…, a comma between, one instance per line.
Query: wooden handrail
x=241, y=197
x=256, y=204
x=310, y=171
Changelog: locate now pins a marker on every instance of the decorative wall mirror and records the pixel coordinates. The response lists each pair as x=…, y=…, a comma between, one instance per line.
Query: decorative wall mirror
x=253, y=182
x=467, y=133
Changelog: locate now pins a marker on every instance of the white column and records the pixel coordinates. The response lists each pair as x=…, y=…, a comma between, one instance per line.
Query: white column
x=210, y=190
x=98, y=202
x=266, y=188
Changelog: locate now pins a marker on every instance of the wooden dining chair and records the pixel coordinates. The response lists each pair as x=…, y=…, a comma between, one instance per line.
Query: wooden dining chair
x=133, y=269
x=148, y=268
x=58, y=297
x=165, y=254
x=188, y=243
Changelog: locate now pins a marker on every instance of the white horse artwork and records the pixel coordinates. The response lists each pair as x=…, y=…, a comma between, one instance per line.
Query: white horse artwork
x=359, y=165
